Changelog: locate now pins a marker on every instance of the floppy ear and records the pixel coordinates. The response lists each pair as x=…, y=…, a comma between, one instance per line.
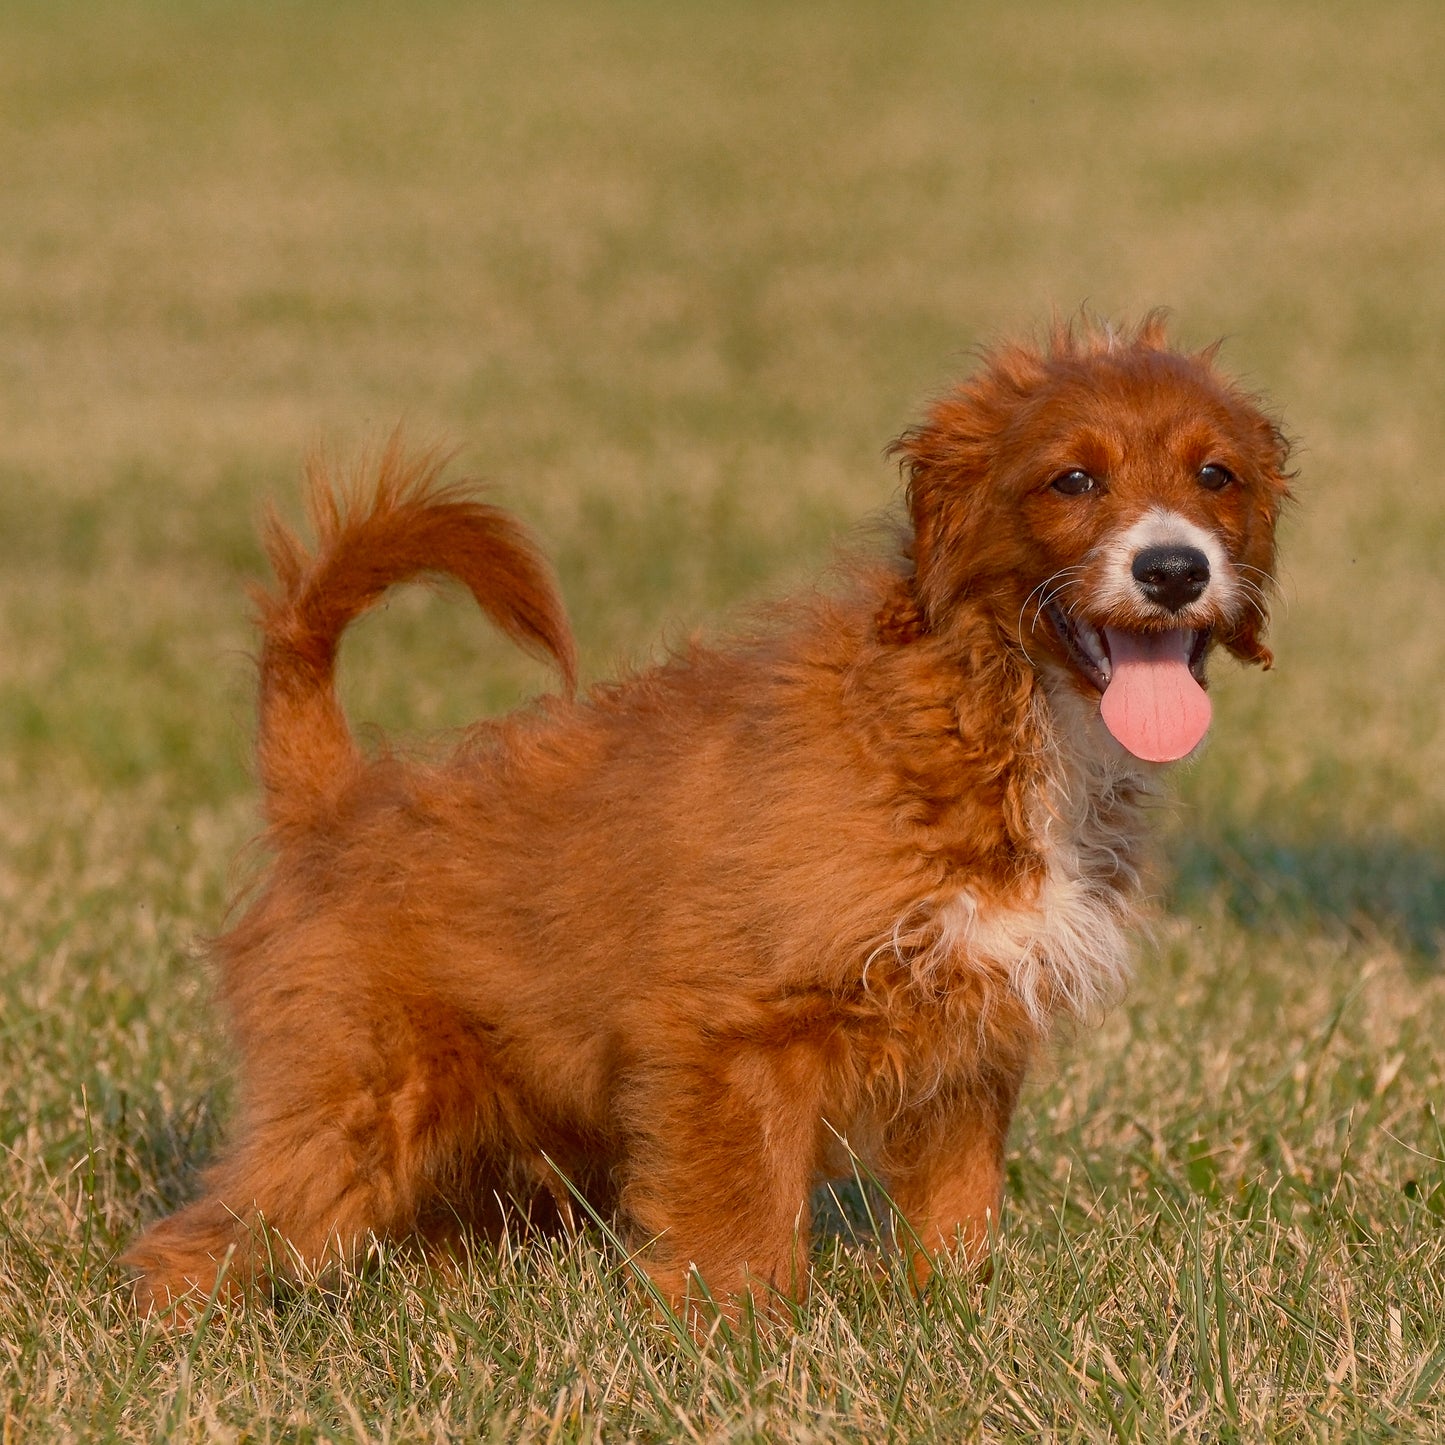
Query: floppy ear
x=950, y=459
x=1272, y=479
x=1245, y=644
x=941, y=482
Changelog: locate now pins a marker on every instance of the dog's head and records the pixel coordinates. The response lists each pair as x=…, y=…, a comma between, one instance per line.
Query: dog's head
x=1111, y=502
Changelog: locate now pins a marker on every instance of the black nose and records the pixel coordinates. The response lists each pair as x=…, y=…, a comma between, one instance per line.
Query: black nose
x=1171, y=576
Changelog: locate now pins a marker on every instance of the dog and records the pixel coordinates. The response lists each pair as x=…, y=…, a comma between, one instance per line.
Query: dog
x=678, y=946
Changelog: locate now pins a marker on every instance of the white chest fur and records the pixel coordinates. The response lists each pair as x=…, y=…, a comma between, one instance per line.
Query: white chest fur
x=1066, y=946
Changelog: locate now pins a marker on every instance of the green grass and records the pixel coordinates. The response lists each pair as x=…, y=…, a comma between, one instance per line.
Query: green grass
x=672, y=276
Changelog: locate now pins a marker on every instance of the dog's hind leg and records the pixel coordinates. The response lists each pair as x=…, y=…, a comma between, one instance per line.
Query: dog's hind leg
x=205, y=1249
x=282, y=1208
x=312, y=1180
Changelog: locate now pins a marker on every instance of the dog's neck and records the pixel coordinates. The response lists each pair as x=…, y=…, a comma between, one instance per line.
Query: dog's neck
x=1092, y=784
x=1058, y=936
x=1005, y=771
x=1048, y=898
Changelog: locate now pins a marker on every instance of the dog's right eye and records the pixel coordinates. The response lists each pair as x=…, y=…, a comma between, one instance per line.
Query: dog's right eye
x=1074, y=483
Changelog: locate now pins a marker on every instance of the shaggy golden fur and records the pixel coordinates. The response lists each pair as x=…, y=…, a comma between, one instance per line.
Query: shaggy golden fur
x=669, y=942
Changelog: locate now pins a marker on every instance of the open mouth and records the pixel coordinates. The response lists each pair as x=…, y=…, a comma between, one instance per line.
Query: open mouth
x=1151, y=684
x=1090, y=650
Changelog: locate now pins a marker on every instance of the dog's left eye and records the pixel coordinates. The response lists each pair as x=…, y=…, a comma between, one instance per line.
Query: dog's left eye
x=1214, y=478
x=1074, y=483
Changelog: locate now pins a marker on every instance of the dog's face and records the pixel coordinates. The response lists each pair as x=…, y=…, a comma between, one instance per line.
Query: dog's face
x=1113, y=503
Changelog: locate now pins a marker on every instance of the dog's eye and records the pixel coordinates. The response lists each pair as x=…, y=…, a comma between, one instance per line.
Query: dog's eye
x=1214, y=478
x=1074, y=483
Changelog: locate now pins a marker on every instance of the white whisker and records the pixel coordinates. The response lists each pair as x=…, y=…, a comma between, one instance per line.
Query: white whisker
x=1063, y=579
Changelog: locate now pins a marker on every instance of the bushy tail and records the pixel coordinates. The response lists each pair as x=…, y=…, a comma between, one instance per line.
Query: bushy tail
x=406, y=525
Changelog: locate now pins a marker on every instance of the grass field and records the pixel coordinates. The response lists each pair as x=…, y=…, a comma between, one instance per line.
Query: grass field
x=672, y=275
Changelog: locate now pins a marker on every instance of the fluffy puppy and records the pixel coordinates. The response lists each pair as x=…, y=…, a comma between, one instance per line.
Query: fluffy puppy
x=670, y=942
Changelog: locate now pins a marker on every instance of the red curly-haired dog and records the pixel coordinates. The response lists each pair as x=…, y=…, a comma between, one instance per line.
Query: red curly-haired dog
x=670, y=942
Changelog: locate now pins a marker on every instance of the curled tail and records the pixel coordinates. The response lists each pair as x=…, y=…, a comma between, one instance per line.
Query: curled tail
x=407, y=526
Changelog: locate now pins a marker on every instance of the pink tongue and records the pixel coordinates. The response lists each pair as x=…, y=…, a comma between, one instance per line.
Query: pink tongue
x=1153, y=705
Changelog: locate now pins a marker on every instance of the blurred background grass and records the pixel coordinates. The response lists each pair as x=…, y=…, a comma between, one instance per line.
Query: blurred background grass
x=671, y=276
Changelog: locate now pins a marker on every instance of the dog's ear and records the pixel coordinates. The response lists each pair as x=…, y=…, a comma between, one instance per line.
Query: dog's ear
x=1270, y=481
x=950, y=460
x=1246, y=644
x=940, y=481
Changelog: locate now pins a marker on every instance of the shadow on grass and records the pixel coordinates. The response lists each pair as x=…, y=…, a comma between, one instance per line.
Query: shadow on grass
x=170, y=1150
x=1386, y=885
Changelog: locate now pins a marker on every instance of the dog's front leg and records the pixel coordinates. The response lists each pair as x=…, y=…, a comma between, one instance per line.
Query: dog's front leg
x=724, y=1156
x=943, y=1162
